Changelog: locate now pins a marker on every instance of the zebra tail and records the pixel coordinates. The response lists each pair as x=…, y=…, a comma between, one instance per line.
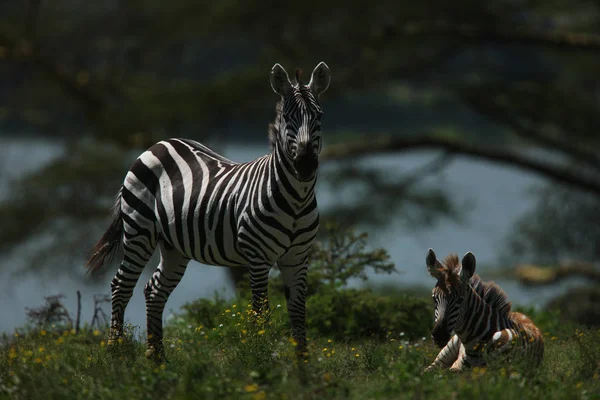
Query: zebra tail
x=111, y=242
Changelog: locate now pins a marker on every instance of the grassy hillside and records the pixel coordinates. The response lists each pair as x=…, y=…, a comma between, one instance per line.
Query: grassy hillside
x=363, y=344
x=233, y=358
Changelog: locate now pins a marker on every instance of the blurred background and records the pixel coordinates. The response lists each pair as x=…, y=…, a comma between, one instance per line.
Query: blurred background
x=460, y=126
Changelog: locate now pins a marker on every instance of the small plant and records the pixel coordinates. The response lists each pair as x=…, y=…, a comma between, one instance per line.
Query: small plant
x=343, y=256
x=53, y=312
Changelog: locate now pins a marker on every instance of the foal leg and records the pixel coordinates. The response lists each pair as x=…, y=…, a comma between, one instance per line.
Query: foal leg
x=448, y=355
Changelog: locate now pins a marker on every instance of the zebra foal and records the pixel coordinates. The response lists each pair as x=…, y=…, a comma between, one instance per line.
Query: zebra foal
x=479, y=314
x=193, y=203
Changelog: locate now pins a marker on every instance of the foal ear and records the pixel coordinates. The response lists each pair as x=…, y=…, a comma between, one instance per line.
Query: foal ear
x=468, y=267
x=320, y=79
x=280, y=82
x=433, y=265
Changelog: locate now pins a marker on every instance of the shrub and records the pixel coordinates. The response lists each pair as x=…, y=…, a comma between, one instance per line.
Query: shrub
x=359, y=313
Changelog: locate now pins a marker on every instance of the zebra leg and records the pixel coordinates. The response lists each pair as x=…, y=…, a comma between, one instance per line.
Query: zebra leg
x=259, y=282
x=502, y=346
x=459, y=364
x=448, y=355
x=170, y=270
x=136, y=254
x=294, y=281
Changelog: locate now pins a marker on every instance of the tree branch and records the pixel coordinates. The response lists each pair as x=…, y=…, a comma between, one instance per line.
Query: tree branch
x=485, y=106
x=533, y=275
x=551, y=39
x=389, y=144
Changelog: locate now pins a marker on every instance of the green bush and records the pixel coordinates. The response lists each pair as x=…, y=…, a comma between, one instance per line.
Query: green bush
x=359, y=313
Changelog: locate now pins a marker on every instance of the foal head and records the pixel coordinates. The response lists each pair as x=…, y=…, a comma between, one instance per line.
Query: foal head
x=449, y=291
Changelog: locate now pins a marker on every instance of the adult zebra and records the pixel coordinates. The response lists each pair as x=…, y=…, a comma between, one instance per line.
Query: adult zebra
x=195, y=204
x=480, y=315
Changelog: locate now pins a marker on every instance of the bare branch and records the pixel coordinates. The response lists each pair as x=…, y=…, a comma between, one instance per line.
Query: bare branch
x=398, y=144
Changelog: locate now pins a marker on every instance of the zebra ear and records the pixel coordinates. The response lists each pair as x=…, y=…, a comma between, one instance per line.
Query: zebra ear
x=434, y=267
x=468, y=267
x=280, y=82
x=320, y=79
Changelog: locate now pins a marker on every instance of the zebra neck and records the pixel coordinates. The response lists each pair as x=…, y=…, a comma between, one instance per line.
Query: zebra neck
x=286, y=181
x=477, y=320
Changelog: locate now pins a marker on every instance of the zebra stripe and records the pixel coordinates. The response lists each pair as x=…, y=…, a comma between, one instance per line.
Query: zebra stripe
x=480, y=315
x=193, y=203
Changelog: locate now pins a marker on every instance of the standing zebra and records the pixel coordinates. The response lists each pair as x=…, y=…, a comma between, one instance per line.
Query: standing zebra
x=195, y=204
x=480, y=315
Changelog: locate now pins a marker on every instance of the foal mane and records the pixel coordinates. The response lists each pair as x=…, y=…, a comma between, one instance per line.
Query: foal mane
x=492, y=294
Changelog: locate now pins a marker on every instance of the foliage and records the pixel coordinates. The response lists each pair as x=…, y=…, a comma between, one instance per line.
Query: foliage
x=342, y=256
x=562, y=224
x=237, y=360
x=50, y=314
x=484, y=73
x=578, y=305
x=353, y=313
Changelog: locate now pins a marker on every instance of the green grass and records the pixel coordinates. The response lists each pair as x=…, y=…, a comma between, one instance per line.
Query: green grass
x=235, y=359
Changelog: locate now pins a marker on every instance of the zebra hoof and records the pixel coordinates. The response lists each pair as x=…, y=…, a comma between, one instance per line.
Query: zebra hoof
x=158, y=356
x=114, y=341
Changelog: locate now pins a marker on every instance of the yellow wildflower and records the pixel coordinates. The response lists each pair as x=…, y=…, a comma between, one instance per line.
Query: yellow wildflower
x=259, y=396
x=38, y=360
x=96, y=332
x=261, y=332
x=102, y=343
x=251, y=388
x=357, y=355
x=579, y=385
x=43, y=332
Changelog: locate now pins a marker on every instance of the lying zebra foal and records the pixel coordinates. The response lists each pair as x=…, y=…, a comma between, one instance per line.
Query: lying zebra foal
x=479, y=314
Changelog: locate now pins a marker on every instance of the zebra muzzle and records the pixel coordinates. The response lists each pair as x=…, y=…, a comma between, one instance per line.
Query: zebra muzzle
x=440, y=335
x=306, y=166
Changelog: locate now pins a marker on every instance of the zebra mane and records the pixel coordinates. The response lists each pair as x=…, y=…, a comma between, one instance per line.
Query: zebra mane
x=492, y=294
x=274, y=126
x=299, y=76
